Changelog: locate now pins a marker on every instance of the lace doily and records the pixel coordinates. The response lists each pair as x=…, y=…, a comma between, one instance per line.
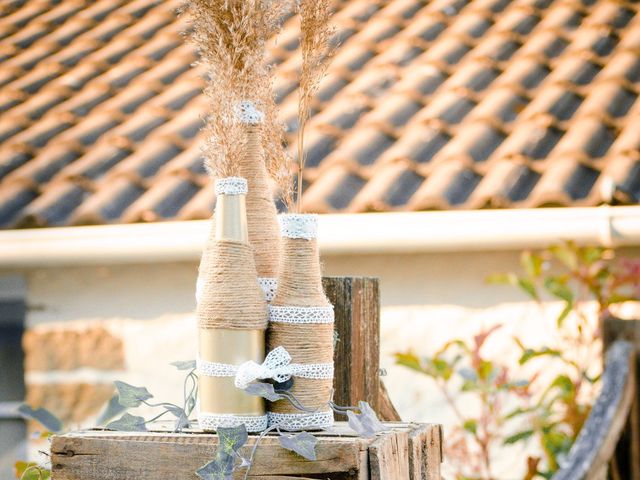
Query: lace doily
x=301, y=421
x=249, y=113
x=297, y=225
x=231, y=186
x=269, y=287
x=213, y=421
x=289, y=314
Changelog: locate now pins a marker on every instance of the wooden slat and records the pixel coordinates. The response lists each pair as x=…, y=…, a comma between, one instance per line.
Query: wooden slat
x=389, y=457
x=357, y=355
x=425, y=452
x=596, y=443
x=406, y=451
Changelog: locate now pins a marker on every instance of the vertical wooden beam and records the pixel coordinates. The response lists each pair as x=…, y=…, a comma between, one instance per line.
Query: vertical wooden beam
x=357, y=352
x=627, y=454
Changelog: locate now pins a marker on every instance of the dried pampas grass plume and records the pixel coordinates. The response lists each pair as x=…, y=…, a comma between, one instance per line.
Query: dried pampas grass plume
x=231, y=36
x=316, y=34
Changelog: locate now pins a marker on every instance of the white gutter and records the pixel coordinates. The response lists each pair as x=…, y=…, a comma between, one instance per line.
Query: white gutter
x=345, y=234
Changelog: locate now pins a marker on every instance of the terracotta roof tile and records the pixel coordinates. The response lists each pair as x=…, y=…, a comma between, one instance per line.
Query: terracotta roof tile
x=428, y=105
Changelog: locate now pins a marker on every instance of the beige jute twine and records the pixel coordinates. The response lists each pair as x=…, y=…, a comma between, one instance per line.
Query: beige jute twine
x=262, y=219
x=231, y=295
x=300, y=284
x=300, y=279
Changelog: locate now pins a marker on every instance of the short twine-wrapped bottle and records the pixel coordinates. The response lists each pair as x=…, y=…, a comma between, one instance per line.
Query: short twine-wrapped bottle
x=301, y=320
x=232, y=316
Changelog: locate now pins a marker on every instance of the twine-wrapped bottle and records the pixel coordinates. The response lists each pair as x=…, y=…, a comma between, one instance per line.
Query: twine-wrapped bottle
x=301, y=320
x=262, y=215
x=232, y=316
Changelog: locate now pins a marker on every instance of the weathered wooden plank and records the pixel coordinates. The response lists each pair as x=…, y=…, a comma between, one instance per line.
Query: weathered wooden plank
x=106, y=455
x=177, y=458
x=425, y=452
x=389, y=457
x=596, y=443
x=357, y=354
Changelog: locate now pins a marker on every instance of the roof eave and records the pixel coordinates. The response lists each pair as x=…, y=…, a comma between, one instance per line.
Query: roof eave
x=342, y=234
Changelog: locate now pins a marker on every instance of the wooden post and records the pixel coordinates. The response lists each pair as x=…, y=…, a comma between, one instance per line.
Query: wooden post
x=357, y=353
x=627, y=455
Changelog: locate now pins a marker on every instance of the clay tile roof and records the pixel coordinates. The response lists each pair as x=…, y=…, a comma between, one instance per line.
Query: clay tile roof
x=436, y=104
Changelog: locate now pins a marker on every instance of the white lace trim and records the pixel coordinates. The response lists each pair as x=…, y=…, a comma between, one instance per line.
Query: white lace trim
x=277, y=366
x=289, y=314
x=301, y=421
x=249, y=113
x=299, y=225
x=213, y=421
x=269, y=287
x=231, y=186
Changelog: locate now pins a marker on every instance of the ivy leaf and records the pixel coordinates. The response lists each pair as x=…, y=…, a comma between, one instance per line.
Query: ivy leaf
x=31, y=471
x=518, y=437
x=264, y=390
x=41, y=415
x=128, y=423
x=221, y=468
x=186, y=365
x=303, y=443
x=130, y=396
x=232, y=439
x=365, y=423
x=112, y=409
x=182, y=420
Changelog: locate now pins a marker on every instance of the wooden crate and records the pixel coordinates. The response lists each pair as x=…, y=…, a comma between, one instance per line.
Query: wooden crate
x=407, y=451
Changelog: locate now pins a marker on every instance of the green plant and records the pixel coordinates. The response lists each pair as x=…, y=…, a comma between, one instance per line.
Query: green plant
x=551, y=408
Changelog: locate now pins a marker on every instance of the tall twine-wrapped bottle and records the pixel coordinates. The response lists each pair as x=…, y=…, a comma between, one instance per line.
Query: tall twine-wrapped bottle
x=262, y=215
x=232, y=316
x=301, y=320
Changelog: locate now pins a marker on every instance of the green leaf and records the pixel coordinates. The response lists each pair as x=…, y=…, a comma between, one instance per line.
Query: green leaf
x=128, y=423
x=532, y=263
x=564, y=314
x=528, y=287
x=502, y=279
x=232, y=439
x=41, y=415
x=558, y=288
x=31, y=471
x=186, y=365
x=566, y=254
x=303, y=443
x=518, y=437
x=590, y=255
x=530, y=353
x=130, y=396
x=470, y=426
x=409, y=360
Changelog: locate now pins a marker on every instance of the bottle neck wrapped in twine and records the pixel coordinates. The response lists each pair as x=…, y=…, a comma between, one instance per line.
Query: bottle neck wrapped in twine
x=230, y=296
x=300, y=278
x=264, y=233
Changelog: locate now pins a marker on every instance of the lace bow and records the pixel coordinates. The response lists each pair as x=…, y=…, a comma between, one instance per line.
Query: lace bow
x=275, y=366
